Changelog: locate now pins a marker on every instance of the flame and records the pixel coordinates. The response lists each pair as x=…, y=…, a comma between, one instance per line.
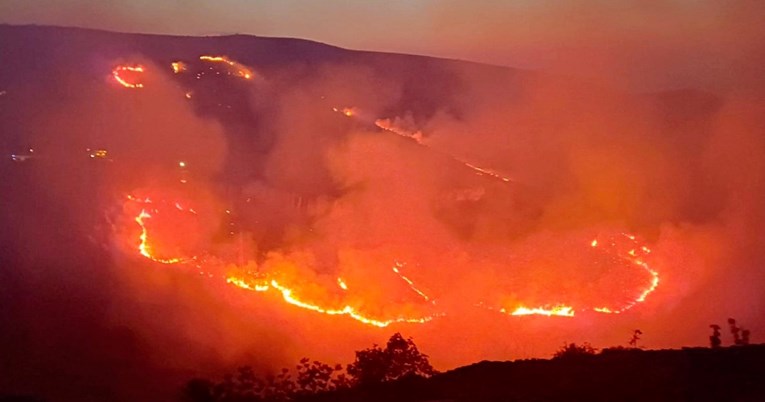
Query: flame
x=261, y=283
x=239, y=69
x=241, y=283
x=418, y=137
x=396, y=266
x=558, y=310
x=289, y=295
x=632, y=257
x=613, y=246
x=144, y=248
x=117, y=74
x=178, y=67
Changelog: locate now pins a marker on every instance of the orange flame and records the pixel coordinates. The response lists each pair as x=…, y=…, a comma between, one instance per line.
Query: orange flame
x=291, y=295
x=632, y=257
x=240, y=70
x=144, y=248
x=558, y=310
x=409, y=282
x=178, y=67
x=117, y=74
x=389, y=126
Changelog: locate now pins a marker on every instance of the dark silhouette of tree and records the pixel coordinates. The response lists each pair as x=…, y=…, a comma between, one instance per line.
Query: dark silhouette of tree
x=740, y=335
x=572, y=350
x=246, y=386
x=314, y=377
x=399, y=359
x=635, y=338
x=714, y=339
x=734, y=330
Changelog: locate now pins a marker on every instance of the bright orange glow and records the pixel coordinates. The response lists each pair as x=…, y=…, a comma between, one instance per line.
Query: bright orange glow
x=238, y=282
x=559, y=311
x=120, y=71
x=622, y=247
x=289, y=295
x=239, y=69
x=346, y=111
x=417, y=136
x=633, y=259
x=144, y=248
x=409, y=282
x=178, y=67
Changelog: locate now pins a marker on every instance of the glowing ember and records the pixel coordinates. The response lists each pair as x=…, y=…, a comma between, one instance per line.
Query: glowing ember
x=346, y=111
x=178, y=67
x=120, y=72
x=239, y=69
x=341, y=283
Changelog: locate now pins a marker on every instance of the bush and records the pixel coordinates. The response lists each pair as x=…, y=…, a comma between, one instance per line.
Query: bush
x=572, y=350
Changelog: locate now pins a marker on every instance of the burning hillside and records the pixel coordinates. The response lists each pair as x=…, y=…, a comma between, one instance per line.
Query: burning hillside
x=222, y=199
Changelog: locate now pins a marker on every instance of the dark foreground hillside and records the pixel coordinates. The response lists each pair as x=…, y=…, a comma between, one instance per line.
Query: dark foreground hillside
x=690, y=374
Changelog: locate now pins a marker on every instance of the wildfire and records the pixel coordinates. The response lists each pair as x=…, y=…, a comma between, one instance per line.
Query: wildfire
x=118, y=72
x=409, y=282
x=239, y=69
x=178, y=67
x=558, y=310
x=144, y=248
x=346, y=111
x=417, y=136
x=633, y=258
x=291, y=293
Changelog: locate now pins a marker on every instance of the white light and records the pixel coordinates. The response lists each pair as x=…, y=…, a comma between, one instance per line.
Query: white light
x=182, y=164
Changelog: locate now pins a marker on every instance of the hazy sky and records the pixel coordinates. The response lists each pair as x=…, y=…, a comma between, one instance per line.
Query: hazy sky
x=665, y=41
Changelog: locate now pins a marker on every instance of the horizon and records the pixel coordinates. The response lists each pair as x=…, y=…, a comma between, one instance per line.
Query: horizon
x=550, y=37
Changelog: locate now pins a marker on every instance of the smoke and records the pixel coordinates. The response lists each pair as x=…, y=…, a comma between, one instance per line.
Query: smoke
x=313, y=196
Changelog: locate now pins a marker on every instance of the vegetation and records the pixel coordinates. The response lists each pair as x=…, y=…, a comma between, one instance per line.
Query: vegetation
x=574, y=351
x=399, y=359
x=375, y=365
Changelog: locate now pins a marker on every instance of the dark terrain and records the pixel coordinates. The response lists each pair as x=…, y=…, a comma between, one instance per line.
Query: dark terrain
x=692, y=374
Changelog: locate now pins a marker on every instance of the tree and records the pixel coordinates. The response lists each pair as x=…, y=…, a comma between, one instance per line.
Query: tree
x=399, y=359
x=635, y=338
x=714, y=339
x=573, y=351
x=740, y=335
x=246, y=386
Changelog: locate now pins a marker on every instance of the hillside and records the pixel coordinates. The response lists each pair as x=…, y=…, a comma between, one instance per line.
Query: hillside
x=297, y=153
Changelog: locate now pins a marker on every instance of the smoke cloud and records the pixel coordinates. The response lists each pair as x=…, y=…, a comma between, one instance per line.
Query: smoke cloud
x=282, y=185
